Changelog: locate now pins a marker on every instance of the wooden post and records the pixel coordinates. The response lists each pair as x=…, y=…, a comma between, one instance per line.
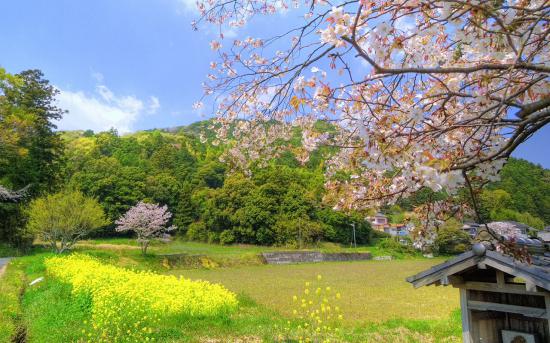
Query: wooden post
x=466, y=335
x=500, y=279
x=547, y=301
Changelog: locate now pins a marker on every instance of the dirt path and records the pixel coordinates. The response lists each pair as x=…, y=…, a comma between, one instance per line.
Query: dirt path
x=3, y=262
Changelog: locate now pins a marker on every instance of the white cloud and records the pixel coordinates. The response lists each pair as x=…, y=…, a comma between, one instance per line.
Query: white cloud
x=189, y=6
x=102, y=110
x=105, y=93
x=97, y=76
x=154, y=105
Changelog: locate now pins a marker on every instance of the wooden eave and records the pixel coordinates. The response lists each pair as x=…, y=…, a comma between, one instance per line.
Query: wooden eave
x=439, y=274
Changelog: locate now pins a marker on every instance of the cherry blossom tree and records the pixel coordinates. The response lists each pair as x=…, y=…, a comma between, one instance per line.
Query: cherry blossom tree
x=148, y=221
x=421, y=93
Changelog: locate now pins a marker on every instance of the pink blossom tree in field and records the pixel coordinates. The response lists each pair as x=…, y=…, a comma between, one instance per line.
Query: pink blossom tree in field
x=148, y=221
x=420, y=93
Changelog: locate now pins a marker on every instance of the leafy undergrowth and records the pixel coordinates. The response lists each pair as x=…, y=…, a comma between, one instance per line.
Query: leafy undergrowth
x=12, y=284
x=8, y=251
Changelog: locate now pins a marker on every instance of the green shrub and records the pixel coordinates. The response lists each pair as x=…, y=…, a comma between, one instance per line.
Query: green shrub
x=451, y=240
x=297, y=232
x=197, y=231
x=393, y=247
x=12, y=284
x=339, y=227
x=213, y=237
x=378, y=235
x=227, y=237
x=63, y=218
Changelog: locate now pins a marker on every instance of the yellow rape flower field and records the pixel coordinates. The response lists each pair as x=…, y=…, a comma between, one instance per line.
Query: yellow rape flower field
x=127, y=304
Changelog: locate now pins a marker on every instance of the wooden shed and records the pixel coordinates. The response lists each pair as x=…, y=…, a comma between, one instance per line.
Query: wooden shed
x=502, y=299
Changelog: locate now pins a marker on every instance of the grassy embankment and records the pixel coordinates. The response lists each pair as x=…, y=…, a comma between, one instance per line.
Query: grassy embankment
x=378, y=305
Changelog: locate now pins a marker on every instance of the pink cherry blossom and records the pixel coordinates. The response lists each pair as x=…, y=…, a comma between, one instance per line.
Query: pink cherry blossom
x=148, y=221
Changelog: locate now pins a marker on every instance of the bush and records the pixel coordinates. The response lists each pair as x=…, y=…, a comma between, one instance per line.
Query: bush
x=297, y=232
x=378, y=235
x=63, y=218
x=338, y=227
x=452, y=241
x=197, y=231
x=394, y=247
x=227, y=237
x=129, y=304
x=213, y=237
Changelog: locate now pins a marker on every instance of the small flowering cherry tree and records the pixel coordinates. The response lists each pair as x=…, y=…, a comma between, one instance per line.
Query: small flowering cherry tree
x=148, y=221
x=421, y=93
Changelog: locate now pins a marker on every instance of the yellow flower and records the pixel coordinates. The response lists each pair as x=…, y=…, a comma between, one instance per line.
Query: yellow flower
x=124, y=299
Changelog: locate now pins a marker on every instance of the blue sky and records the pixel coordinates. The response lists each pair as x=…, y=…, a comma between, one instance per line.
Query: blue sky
x=131, y=64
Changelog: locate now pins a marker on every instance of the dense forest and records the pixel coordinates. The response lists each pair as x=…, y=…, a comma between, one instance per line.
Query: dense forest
x=280, y=204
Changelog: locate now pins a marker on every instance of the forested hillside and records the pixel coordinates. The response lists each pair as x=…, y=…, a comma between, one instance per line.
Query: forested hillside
x=523, y=194
x=279, y=204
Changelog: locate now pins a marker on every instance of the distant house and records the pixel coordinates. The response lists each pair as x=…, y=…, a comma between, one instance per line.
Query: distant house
x=400, y=230
x=379, y=221
x=507, y=228
x=502, y=299
x=544, y=235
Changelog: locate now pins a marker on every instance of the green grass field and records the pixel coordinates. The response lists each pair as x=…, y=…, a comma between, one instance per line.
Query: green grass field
x=372, y=291
x=377, y=303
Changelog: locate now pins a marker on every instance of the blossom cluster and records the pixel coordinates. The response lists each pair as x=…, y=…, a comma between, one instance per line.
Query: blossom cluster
x=148, y=221
x=129, y=305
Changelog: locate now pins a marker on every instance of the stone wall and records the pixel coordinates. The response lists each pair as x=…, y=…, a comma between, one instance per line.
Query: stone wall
x=289, y=257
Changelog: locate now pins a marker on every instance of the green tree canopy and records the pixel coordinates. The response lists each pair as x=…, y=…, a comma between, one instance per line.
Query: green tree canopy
x=63, y=218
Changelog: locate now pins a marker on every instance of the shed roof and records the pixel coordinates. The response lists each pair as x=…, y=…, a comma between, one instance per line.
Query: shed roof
x=537, y=274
